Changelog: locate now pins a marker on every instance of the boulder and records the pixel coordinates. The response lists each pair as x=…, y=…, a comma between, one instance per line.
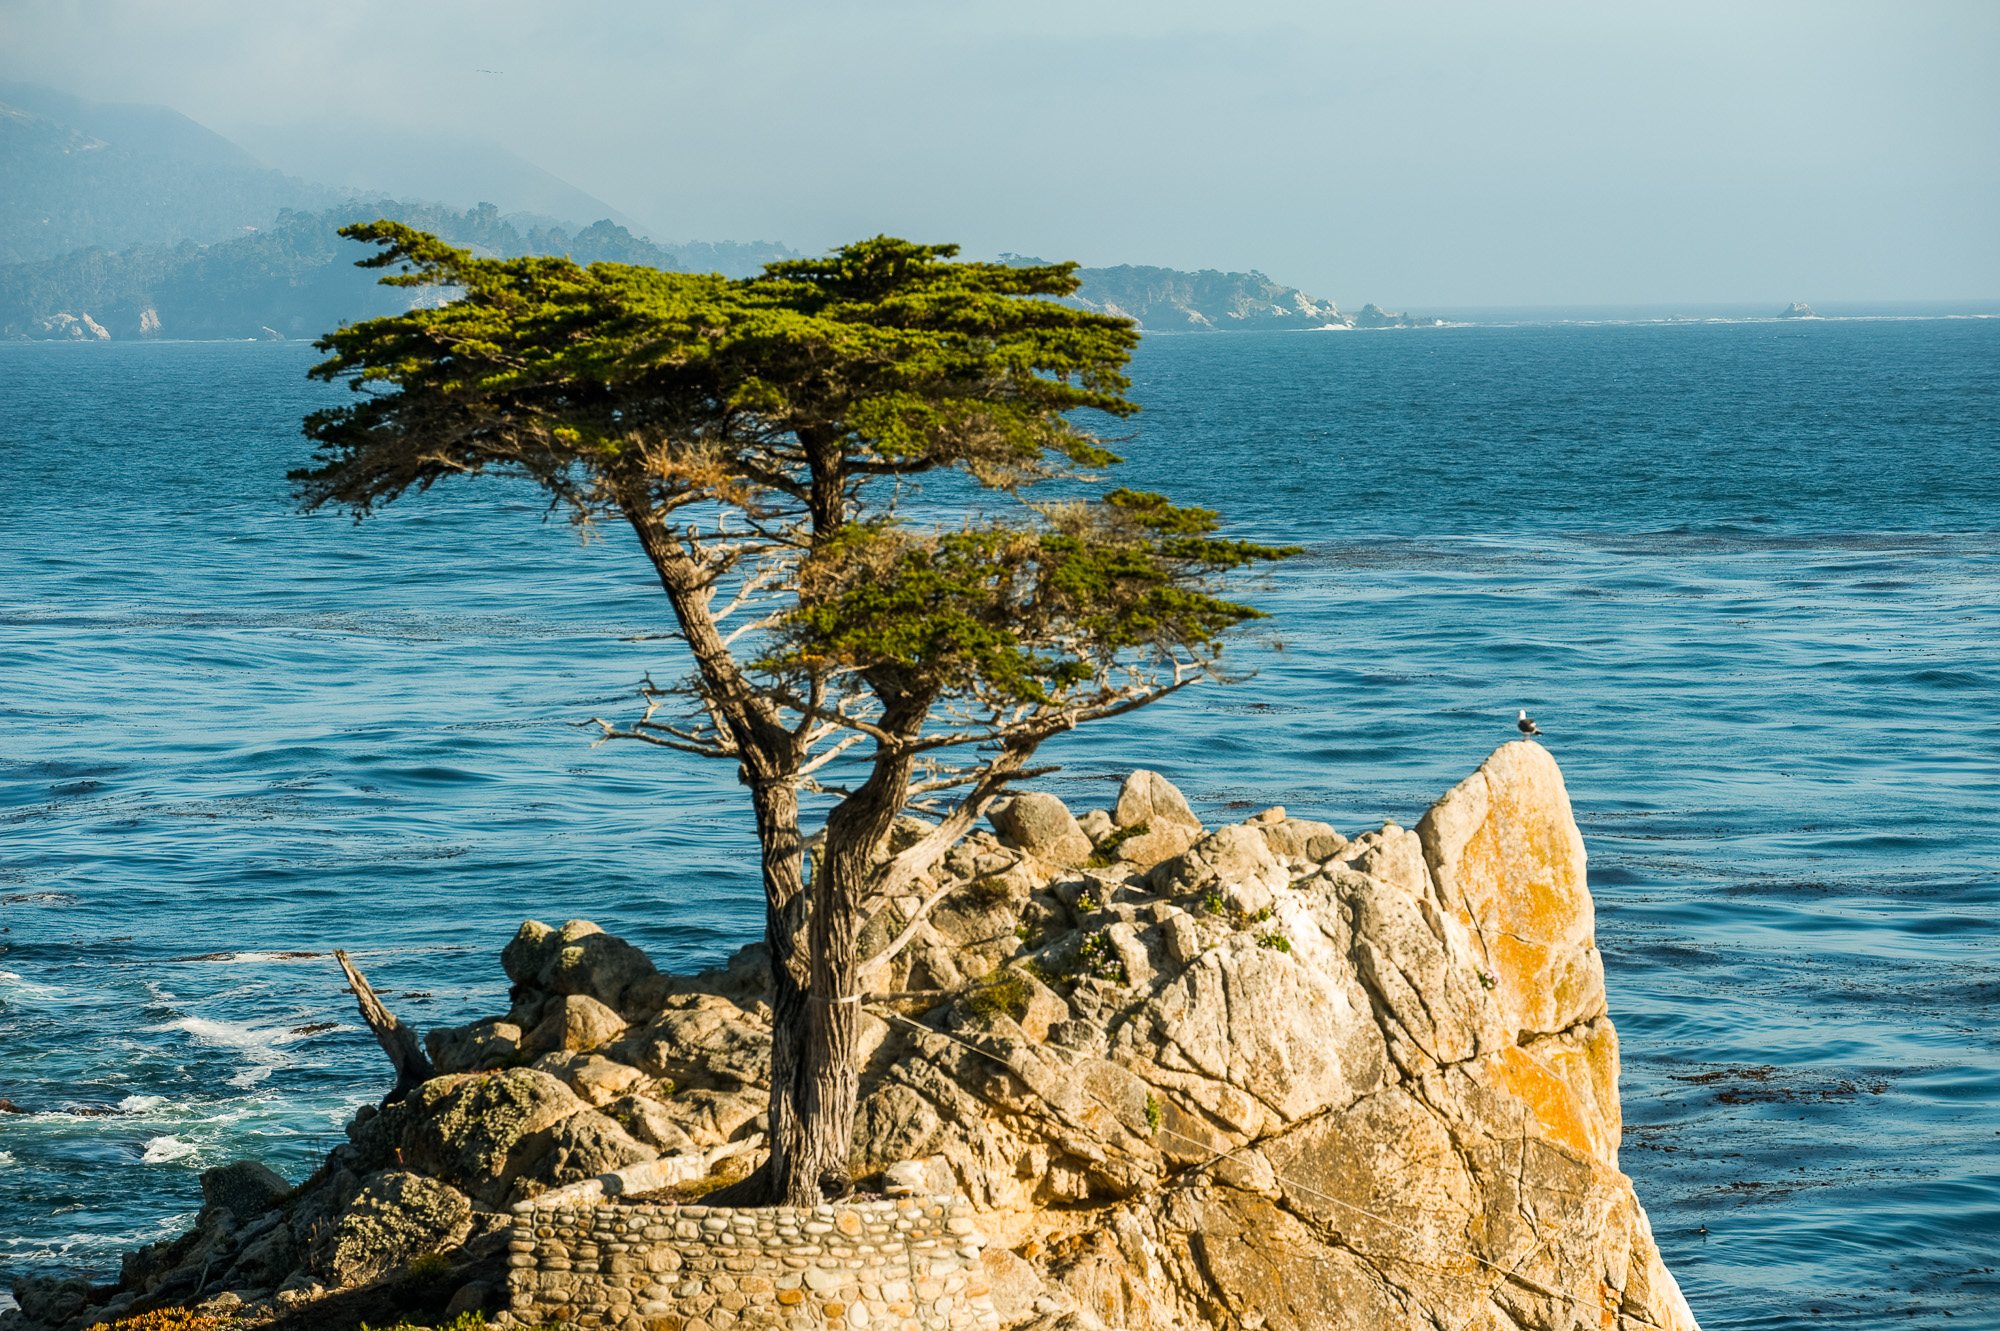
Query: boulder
x=574, y=1021
x=582, y=1146
x=599, y=1081
x=1509, y=862
x=711, y=1117
x=1142, y=849
x=1303, y=839
x=578, y=958
x=649, y=1122
x=526, y=953
x=246, y=1189
x=267, y=1255
x=51, y=1300
x=479, y=1047
x=1040, y=825
x=1148, y=797
x=1235, y=860
x=708, y=1042
x=472, y=1297
x=1013, y=1284
x=398, y=1215
x=479, y=1133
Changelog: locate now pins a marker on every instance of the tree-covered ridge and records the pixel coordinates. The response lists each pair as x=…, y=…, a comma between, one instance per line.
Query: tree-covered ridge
x=292, y=278
x=1169, y=300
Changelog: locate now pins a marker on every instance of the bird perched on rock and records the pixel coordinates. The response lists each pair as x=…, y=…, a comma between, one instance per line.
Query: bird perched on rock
x=1526, y=725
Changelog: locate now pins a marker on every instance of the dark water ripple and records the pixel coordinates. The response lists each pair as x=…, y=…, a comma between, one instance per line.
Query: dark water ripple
x=1747, y=576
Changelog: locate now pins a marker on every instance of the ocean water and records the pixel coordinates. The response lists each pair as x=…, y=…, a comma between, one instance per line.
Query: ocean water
x=1745, y=573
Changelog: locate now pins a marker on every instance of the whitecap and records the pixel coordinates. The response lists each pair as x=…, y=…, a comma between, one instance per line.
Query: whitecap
x=236, y=1035
x=162, y=1150
x=6, y=1158
x=139, y=1104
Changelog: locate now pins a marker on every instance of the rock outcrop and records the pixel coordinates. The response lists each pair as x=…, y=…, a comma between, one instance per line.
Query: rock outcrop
x=1254, y=1076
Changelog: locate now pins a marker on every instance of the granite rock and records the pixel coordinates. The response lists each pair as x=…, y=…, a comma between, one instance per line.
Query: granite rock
x=1041, y=825
x=1255, y=1088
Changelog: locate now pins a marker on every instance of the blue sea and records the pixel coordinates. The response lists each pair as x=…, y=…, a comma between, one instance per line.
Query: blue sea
x=1745, y=572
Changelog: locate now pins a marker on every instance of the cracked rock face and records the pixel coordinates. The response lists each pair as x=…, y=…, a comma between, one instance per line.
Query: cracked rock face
x=1259, y=1076
x=1306, y=1083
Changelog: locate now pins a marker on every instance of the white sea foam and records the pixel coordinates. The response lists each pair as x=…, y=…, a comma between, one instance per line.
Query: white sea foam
x=162, y=1150
x=28, y=987
x=6, y=1158
x=234, y=1034
x=139, y=1104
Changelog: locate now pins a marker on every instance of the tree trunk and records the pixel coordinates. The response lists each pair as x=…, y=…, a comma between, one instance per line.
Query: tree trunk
x=826, y=1076
x=398, y=1041
x=770, y=757
x=827, y=1080
x=784, y=914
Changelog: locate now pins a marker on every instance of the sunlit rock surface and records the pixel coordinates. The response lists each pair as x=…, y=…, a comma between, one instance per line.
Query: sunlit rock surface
x=1256, y=1076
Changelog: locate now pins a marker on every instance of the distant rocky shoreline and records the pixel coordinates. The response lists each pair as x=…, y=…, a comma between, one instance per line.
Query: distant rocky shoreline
x=1254, y=1076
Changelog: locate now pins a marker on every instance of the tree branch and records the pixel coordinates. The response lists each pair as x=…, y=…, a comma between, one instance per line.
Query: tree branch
x=398, y=1041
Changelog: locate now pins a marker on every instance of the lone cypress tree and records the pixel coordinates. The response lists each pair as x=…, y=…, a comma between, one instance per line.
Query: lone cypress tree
x=754, y=435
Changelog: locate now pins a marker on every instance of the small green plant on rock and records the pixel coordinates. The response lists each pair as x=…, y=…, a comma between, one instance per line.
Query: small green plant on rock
x=428, y=1266
x=466, y=1321
x=1275, y=941
x=1106, y=853
x=1086, y=903
x=990, y=892
x=1152, y=1112
x=1006, y=993
x=1212, y=902
x=174, y=1319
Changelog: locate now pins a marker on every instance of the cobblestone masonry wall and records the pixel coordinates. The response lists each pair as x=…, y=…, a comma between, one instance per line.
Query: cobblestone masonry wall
x=896, y=1265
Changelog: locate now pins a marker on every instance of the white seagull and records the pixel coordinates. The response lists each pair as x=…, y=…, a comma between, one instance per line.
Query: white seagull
x=1526, y=725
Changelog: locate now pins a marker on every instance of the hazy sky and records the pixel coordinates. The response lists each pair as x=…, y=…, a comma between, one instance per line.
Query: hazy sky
x=1408, y=153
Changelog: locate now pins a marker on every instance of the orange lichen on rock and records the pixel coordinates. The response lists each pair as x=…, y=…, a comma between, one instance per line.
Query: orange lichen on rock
x=1509, y=862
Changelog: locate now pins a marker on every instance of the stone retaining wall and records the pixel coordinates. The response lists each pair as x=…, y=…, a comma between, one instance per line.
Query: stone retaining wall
x=896, y=1265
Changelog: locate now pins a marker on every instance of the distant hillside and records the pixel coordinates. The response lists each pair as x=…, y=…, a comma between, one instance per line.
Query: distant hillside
x=1169, y=300
x=123, y=221
x=67, y=189
x=155, y=131
x=296, y=278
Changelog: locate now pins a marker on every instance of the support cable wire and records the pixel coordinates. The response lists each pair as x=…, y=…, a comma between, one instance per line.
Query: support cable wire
x=1506, y=1273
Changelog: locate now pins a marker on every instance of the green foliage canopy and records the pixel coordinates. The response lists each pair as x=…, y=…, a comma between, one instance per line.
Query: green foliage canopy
x=628, y=390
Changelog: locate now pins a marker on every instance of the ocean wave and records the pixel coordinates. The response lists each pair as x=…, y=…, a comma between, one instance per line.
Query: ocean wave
x=139, y=1104
x=165, y=1150
x=253, y=1040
